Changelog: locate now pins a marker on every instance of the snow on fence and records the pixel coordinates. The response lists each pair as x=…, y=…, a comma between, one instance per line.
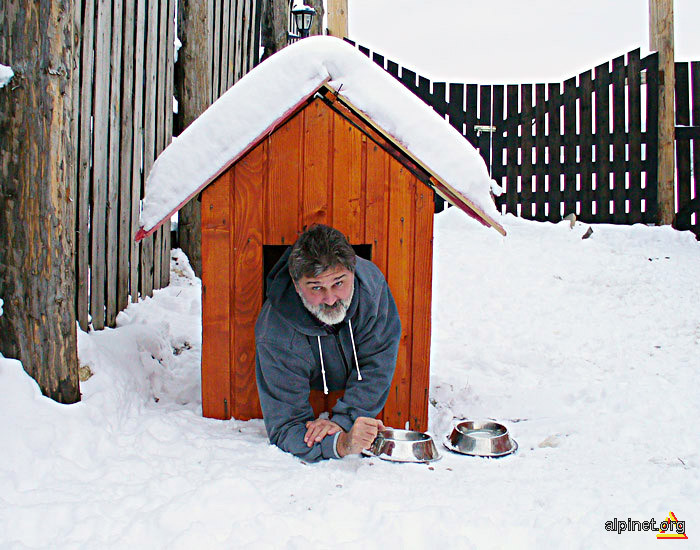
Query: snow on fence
x=123, y=90
x=585, y=146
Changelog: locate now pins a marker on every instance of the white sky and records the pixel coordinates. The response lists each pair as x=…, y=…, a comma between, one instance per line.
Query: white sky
x=512, y=40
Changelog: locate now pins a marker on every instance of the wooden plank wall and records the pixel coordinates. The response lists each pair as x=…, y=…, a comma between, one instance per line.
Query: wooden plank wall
x=235, y=44
x=318, y=168
x=688, y=146
x=585, y=146
x=124, y=120
x=124, y=117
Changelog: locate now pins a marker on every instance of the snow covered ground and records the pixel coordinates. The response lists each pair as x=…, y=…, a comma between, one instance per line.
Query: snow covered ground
x=587, y=349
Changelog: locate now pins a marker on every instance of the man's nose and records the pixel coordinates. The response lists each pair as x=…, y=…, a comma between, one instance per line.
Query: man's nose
x=330, y=298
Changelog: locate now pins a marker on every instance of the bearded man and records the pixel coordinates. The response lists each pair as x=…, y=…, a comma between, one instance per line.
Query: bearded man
x=329, y=323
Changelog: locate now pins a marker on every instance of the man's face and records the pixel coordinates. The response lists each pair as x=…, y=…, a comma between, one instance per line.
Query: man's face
x=328, y=295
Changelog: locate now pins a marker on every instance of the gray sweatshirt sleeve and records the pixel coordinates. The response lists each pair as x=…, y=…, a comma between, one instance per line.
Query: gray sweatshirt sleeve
x=283, y=387
x=377, y=342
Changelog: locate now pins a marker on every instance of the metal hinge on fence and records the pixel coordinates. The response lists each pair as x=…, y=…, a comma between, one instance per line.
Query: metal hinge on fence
x=484, y=128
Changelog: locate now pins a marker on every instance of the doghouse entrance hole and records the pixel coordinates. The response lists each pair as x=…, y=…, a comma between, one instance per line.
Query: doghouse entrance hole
x=273, y=252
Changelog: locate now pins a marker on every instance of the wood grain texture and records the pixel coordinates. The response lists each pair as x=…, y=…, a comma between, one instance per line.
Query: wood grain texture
x=348, y=208
x=247, y=279
x=216, y=298
x=377, y=201
x=37, y=227
x=98, y=258
x=114, y=165
x=135, y=283
x=316, y=165
x=85, y=164
x=401, y=249
x=283, y=186
x=421, y=286
x=126, y=228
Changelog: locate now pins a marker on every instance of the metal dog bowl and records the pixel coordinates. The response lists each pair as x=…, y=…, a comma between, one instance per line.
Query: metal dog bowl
x=481, y=438
x=403, y=446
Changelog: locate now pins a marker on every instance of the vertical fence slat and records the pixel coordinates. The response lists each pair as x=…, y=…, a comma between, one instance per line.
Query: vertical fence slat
x=570, y=140
x=682, y=146
x=634, y=110
x=168, y=107
x=227, y=52
x=652, y=138
x=84, y=160
x=541, y=171
x=75, y=137
x=455, y=108
x=112, y=250
x=695, y=85
x=619, y=139
x=526, y=142
x=240, y=68
x=137, y=162
x=586, y=147
x=246, y=36
x=103, y=44
x=484, y=138
x=512, y=149
x=236, y=55
x=470, y=113
x=602, y=147
x=555, y=164
x=149, y=136
x=126, y=235
x=498, y=143
x=216, y=51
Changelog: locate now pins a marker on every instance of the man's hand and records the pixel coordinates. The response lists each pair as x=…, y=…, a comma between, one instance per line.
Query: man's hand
x=360, y=436
x=317, y=429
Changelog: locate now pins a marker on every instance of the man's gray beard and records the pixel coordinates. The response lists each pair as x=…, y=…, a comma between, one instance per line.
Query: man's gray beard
x=327, y=314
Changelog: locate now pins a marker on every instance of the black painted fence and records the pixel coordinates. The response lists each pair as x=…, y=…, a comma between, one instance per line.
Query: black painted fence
x=585, y=146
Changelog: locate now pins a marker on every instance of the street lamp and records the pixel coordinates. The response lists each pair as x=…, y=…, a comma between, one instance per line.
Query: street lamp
x=303, y=17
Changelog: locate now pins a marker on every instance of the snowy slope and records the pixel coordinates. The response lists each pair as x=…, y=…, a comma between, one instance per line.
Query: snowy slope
x=587, y=349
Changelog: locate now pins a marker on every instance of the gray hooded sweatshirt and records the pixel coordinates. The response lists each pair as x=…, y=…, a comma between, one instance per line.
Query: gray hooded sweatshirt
x=359, y=355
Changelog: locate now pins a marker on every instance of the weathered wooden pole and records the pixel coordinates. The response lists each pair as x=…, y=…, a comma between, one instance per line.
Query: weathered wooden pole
x=275, y=22
x=37, y=219
x=193, y=88
x=661, y=40
x=338, y=18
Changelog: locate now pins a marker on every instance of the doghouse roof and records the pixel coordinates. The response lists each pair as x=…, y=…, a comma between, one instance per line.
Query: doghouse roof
x=269, y=94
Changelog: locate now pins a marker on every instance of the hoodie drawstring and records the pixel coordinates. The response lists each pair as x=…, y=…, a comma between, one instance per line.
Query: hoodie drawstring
x=354, y=353
x=323, y=368
x=352, y=339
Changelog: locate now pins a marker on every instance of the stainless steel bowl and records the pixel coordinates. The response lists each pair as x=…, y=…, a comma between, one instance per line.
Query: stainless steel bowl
x=404, y=446
x=481, y=438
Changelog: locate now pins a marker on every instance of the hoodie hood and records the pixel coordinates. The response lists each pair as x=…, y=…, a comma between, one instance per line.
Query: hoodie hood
x=285, y=300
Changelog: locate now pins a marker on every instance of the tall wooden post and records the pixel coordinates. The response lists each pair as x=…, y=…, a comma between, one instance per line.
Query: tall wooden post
x=37, y=218
x=193, y=83
x=338, y=18
x=661, y=40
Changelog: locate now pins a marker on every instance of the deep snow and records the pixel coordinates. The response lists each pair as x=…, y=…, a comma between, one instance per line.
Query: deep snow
x=587, y=349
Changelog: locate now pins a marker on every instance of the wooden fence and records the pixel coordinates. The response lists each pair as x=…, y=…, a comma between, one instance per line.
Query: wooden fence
x=123, y=90
x=688, y=146
x=585, y=146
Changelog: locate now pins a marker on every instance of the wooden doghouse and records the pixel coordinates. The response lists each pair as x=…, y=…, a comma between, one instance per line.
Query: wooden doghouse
x=321, y=161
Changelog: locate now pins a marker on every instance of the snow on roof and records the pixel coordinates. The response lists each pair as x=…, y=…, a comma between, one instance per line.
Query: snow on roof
x=251, y=108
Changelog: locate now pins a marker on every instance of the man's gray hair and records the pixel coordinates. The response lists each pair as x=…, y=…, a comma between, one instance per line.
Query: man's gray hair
x=318, y=249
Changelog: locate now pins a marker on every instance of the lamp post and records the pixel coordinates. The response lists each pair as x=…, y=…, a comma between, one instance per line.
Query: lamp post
x=303, y=17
